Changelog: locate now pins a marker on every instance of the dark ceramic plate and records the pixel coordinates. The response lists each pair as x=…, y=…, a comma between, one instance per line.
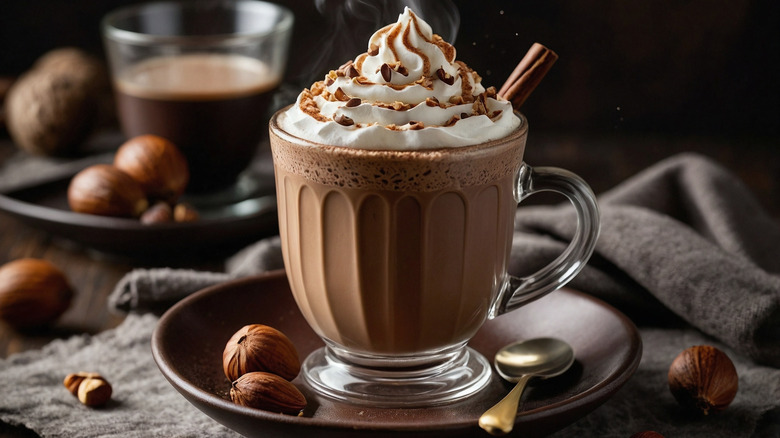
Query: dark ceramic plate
x=229, y=219
x=188, y=343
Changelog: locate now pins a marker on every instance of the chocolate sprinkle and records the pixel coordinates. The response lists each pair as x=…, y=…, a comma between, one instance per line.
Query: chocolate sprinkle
x=387, y=72
x=444, y=76
x=343, y=120
x=341, y=95
x=353, y=102
x=373, y=50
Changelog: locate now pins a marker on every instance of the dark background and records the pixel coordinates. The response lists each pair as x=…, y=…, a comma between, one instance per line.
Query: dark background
x=637, y=81
x=705, y=67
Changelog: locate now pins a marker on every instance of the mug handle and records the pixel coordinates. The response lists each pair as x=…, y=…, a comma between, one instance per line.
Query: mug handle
x=521, y=290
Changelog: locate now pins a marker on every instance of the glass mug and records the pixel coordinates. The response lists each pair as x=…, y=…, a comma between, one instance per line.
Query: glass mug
x=199, y=73
x=397, y=258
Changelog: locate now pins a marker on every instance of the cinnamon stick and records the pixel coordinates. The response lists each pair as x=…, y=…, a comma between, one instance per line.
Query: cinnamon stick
x=528, y=74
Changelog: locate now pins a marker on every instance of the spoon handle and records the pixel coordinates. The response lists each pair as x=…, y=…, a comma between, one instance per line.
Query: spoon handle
x=500, y=419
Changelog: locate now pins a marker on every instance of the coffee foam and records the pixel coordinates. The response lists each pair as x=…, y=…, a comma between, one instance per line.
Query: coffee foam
x=198, y=77
x=407, y=170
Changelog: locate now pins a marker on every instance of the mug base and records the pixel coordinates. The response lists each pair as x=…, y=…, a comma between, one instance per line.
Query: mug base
x=464, y=374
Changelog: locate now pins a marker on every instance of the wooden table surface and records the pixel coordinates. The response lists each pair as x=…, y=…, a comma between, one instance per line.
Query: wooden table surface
x=603, y=160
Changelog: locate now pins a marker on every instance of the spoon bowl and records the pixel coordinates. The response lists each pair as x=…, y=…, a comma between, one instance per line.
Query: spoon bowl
x=540, y=357
x=518, y=363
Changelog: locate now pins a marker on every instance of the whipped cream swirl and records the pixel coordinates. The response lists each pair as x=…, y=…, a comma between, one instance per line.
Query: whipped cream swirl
x=406, y=92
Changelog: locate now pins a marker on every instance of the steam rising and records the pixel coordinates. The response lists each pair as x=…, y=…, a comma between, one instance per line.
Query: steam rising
x=350, y=23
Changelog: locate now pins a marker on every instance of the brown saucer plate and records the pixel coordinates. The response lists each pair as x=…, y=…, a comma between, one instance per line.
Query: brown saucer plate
x=229, y=221
x=188, y=342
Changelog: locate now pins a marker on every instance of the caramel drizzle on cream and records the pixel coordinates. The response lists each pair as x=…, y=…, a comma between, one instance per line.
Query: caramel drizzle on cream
x=359, y=63
x=309, y=106
x=426, y=61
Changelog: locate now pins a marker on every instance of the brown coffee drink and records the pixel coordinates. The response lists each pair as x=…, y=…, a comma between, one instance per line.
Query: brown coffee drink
x=396, y=252
x=207, y=104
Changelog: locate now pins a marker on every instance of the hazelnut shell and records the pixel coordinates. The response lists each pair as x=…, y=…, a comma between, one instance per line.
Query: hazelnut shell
x=50, y=112
x=157, y=164
x=33, y=293
x=104, y=190
x=268, y=392
x=703, y=378
x=258, y=347
x=78, y=63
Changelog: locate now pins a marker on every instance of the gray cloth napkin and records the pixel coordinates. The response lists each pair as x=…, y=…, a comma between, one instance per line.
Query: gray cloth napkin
x=142, y=405
x=684, y=250
x=682, y=240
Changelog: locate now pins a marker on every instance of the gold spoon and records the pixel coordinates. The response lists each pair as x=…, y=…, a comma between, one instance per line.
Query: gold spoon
x=518, y=363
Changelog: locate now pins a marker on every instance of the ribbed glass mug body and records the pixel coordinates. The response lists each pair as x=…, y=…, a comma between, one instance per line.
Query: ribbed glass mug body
x=396, y=253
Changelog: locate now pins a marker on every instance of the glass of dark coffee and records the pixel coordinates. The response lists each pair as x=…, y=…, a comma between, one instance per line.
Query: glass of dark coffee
x=202, y=74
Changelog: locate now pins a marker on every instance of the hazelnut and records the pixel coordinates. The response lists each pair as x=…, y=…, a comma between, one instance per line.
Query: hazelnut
x=258, y=347
x=77, y=63
x=268, y=392
x=159, y=213
x=703, y=378
x=49, y=113
x=52, y=108
x=104, y=190
x=33, y=293
x=157, y=164
x=184, y=212
x=91, y=388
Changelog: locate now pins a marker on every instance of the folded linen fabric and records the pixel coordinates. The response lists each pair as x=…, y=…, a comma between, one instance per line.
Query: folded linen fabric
x=684, y=240
x=155, y=289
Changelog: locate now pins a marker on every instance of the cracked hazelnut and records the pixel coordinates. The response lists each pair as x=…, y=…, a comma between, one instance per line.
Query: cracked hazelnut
x=90, y=388
x=703, y=378
x=33, y=293
x=268, y=392
x=258, y=347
